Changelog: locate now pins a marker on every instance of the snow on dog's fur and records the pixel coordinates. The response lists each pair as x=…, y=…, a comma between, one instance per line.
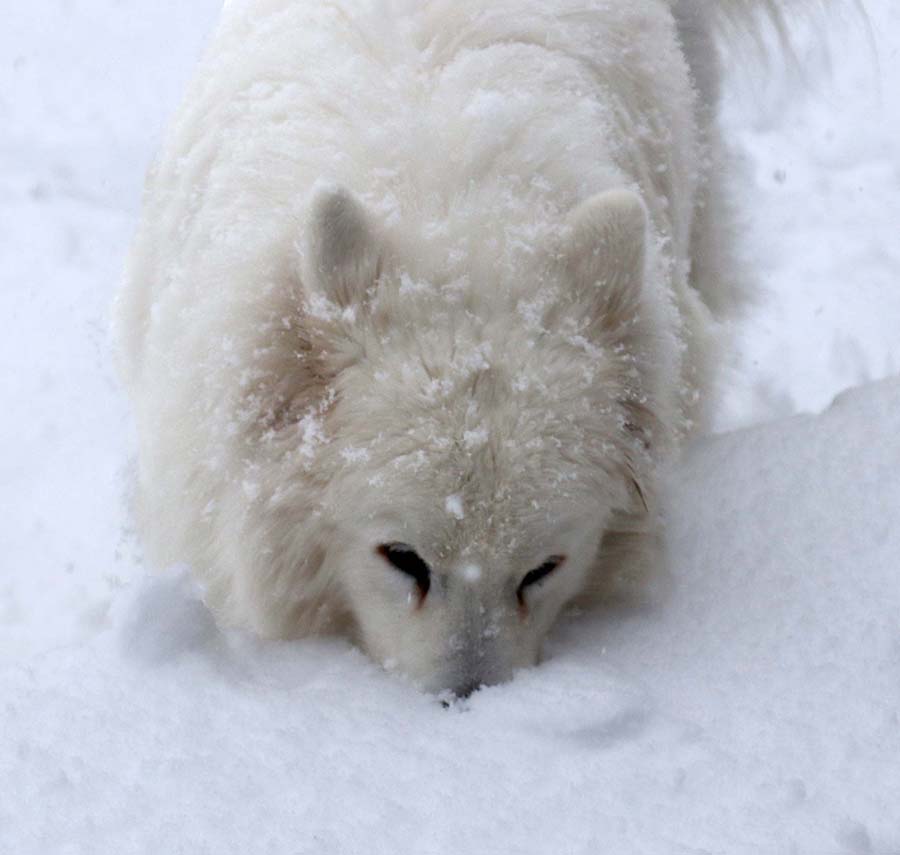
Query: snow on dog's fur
x=423, y=294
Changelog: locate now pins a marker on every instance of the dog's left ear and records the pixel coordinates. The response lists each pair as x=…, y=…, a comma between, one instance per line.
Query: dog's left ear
x=343, y=253
x=604, y=256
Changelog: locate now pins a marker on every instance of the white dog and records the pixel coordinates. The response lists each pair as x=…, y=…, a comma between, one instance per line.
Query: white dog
x=423, y=294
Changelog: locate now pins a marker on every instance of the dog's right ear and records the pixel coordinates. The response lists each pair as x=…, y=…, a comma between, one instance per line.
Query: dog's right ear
x=342, y=256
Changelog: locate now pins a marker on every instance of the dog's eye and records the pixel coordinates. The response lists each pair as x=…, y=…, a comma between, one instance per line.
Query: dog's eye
x=404, y=558
x=539, y=574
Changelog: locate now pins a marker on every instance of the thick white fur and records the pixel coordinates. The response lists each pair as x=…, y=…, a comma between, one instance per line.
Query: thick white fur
x=444, y=273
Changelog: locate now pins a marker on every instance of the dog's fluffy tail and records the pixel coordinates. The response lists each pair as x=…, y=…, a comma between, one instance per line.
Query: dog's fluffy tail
x=742, y=12
x=714, y=32
x=757, y=21
x=716, y=35
x=752, y=21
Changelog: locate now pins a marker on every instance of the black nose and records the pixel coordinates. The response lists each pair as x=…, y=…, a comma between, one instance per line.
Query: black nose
x=463, y=690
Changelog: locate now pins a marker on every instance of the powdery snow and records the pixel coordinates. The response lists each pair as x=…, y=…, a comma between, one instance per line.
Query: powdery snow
x=471, y=572
x=454, y=506
x=757, y=711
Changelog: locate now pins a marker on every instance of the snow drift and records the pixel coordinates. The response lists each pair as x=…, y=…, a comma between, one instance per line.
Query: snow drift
x=755, y=711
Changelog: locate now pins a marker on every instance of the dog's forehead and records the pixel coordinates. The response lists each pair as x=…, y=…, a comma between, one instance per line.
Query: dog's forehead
x=477, y=440
x=482, y=474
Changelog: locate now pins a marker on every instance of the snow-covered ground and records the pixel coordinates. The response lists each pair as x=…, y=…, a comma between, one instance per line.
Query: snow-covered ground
x=757, y=711
x=822, y=217
x=85, y=88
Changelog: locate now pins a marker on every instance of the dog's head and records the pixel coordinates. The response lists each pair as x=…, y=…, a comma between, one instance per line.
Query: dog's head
x=482, y=435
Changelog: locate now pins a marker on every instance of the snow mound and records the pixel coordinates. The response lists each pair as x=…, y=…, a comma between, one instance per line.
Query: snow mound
x=755, y=711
